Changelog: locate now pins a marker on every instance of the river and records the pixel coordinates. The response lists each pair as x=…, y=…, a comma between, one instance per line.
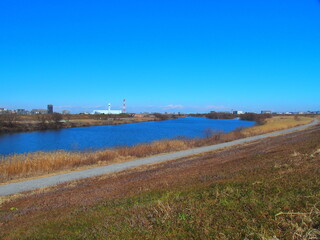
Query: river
x=99, y=137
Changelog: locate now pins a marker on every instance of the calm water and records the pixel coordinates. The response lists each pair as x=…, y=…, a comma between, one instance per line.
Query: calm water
x=92, y=138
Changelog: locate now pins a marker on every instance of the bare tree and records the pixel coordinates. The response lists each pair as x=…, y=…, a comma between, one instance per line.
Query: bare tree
x=67, y=117
x=8, y=119
x=43, y=120
x=56, y=118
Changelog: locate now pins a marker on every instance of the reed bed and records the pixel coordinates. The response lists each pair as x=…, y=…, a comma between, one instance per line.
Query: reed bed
x=38, y=163
x=277, y=123
x=41, y=163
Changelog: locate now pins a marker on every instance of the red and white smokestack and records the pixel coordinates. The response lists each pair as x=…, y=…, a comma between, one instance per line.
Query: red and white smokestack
x=124, y=106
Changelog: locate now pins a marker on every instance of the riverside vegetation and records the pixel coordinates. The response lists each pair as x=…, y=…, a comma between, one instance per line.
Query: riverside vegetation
x=10, y=123
x=262, y=190
x=19, y=166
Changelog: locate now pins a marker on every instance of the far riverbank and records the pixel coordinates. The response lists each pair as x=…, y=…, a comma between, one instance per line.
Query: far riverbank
x=15, y=123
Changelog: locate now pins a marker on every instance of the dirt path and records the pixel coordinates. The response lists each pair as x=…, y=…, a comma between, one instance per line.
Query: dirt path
x=53, y=180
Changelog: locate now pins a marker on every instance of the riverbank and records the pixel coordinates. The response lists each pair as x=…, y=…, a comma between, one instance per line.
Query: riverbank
x=263, y=190
x=14, y=123
x=21, y=166
x=45, y=182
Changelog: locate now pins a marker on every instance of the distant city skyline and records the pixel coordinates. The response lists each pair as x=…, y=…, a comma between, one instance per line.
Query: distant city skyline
x=162, y=56
x=160, y=109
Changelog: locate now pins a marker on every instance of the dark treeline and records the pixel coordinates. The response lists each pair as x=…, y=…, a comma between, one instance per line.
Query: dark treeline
x=10, y=123
x=258, y=118
x=19, y=123
x=161, y=116
x=13, y=123
x=8, y=120
x=220, y=115
x=50, y=121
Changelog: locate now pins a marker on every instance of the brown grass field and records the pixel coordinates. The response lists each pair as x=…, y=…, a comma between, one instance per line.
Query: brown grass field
x=277, y=123
x=268, y=189
x=20, y=166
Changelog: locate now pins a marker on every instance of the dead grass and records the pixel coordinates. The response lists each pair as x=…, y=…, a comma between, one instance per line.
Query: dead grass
x=301, y=223
x=41, y=163
x=277, y=123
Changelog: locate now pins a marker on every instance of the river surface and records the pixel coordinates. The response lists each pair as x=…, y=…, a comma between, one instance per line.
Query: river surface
x=99, y=137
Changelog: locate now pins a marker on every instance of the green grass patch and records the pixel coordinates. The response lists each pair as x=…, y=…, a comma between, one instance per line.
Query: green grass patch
x=236, y=209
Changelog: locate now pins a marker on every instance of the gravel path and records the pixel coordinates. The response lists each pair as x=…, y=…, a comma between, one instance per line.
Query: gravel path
x=76, y=175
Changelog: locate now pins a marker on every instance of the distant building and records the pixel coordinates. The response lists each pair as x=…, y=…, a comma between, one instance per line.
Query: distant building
x=6, y=111
x=106, y=112
x=109, y=111
x=237, y=112
x=50, y=108
x=266, y=112
x=39, y=111
x=22, y=112
x=65, y=112
x=312, y=112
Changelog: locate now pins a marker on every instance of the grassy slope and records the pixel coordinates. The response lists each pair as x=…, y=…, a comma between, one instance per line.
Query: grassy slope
x=263, y=194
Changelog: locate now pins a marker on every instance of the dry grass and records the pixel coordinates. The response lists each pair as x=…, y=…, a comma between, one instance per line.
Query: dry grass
x=277, y=123
x=31, y=164
x=40, y=163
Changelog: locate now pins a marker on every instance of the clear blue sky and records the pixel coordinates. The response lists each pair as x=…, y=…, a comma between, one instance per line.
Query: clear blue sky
x=161, y=55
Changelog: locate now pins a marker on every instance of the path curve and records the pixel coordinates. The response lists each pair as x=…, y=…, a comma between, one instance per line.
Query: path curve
x=18, y=187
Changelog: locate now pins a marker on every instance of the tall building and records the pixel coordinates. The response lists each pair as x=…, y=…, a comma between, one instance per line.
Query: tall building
x=50, y=108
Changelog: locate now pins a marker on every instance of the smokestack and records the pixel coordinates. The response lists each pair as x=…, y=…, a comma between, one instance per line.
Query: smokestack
x=124, y=106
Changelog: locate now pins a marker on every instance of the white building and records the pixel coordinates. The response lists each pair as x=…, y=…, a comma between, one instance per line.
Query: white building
x=266, y=112
x=238, y=112
x=109, y=111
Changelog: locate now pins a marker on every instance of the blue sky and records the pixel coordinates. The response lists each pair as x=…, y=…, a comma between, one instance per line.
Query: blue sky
x=161, y=55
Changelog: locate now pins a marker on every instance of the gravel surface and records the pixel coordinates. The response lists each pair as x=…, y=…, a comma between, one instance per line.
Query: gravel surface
x=13, y=188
